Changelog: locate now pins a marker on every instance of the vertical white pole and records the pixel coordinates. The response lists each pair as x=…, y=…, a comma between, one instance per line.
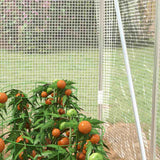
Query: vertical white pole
x=136, y=115
x=155, y=83
x=101, y=50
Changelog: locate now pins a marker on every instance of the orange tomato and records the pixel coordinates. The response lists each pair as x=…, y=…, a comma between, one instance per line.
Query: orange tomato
x=44, y=94
x=20, y=156
x=19, y=94
x=61, y=111
x=49, y=101
x=80, y=156
x=68, y=92
x=84, y=127
x=95, y=139
x=84, y=151
x=18, y=107
x=48, y=141
x=2, y=145
x=85, y=145
x=3, y=97
x=20, y=138
x=28, y=124
x=68, y=133
x=79, y=145
x=56, y=132
x=26, y=140
x=33, y=153
x=63, y=141
x=61, y=84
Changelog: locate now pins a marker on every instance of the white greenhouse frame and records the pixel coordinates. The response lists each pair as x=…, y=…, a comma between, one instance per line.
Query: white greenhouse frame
x=132, y=92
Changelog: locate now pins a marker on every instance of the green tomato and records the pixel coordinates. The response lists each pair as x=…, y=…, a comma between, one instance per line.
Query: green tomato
x=2, y=105
x=49, y=90
x=71, y=113
x=63, y=125
x=96, y=156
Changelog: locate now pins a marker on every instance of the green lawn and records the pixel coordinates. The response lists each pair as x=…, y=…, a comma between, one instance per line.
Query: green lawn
x=82, y=67
x=78, y=66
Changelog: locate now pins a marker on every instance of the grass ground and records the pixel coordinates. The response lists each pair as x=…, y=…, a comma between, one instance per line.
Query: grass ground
x=79, y=66
x=82, y=67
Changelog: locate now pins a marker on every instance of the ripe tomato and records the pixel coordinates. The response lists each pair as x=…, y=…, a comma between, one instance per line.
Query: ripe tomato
x=33, y=153
x=26, y=140
x=2, y=145
x=56, y=132
x=48, y=141
x=19, y=95
x=68, y=92
x=63, y=142
x=49, y=101
x=60, y=100
x=28, y=124
x=79, y=145
x=18, y=107
x=61, y=84
x=44, y=94
x=20, y=138
x=20, y=156
x=95, y=138
x=85, y=145
x=27, y=106
x=61, y=111
x=52, y=94
x=84, y=151
x=95, y=156
x=84, y=127
x=68, y=133
x=80, y=156
x=71, y=113
x=3, y=97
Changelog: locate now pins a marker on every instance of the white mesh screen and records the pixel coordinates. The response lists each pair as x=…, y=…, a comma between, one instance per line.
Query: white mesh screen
x=43, y=40
x=138, y=19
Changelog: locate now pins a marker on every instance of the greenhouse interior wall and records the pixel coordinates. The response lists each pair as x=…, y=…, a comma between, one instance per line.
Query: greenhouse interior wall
x=44, y=40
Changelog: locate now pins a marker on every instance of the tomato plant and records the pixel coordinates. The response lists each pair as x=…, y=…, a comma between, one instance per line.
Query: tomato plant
x=49, y=125
x=72, y=112
x=96, y=156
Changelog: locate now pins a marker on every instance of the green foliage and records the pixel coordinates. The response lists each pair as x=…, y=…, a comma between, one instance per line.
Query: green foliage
x=33, y=121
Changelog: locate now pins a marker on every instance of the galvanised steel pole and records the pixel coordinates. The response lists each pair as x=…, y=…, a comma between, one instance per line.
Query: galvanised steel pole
x=101, y=50
x=155, y=83
x=131, y=87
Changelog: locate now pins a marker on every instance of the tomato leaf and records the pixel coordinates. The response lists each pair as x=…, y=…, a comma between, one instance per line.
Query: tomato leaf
x=89, y=150
x=60, y=149
x=29, y=138
x=48, y=124
x=21, y=150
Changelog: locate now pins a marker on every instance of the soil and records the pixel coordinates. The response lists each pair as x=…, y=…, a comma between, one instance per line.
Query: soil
x=123, y=141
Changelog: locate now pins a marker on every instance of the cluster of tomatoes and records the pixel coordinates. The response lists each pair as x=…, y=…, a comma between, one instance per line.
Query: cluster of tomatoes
x=3, y=100
x=55, y=121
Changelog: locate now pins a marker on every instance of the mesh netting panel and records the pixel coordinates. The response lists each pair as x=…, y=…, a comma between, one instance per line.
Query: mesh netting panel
x=47, y=40
x=158, y=115
x=138, y=19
